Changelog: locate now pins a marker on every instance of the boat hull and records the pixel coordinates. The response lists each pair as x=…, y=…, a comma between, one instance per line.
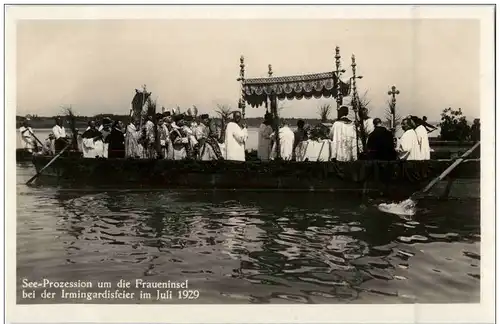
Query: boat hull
x=396, y=178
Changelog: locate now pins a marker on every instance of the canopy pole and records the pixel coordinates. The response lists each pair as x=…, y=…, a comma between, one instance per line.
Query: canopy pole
x=276, y=126
x=274, y=111
x=338, y=73
x=393, y=93
x=357, y=105
x=354, y=103
x=241, y=79
x=269, y=74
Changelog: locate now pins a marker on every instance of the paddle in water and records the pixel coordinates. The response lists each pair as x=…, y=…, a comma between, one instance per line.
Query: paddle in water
x=408, y=207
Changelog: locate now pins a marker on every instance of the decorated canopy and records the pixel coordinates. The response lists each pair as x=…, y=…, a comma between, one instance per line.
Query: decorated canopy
x=255, y=91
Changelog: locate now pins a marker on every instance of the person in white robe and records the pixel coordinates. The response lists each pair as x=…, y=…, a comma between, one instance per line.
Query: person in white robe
x=92, y=142
x=179, y=140
x=286, y=140
x=27, y=137
x=367, y=122
x=408, y=147
x=343, y=138
x=48, y=145
x=105, y=130
x=132, y=147
x=60, y=138
x=163, y=135
x=236, y=136
x=149, y=138
x=264, y=145
x=422, y=138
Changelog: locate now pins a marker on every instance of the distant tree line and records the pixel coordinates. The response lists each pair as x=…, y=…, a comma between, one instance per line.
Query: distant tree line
x=81, y=121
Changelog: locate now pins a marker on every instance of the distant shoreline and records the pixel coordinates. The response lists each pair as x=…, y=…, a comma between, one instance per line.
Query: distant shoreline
x=38, y=122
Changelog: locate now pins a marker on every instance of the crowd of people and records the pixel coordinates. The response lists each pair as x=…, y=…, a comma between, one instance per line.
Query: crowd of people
x=183, y=136
x=344, y=140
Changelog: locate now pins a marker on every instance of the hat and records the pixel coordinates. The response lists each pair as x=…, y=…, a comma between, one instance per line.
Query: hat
x=188, y=118
x=106, y=120
x=166, y=114
x=159, y=116
x=204, y=116
x=178, y=118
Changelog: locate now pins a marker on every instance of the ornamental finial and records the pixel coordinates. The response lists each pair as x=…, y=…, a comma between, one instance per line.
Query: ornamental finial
x=242, y=68
x=270, y=70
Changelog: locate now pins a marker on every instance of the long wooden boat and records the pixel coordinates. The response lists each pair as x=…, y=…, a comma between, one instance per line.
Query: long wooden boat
x=442, y=150
x=390, y=178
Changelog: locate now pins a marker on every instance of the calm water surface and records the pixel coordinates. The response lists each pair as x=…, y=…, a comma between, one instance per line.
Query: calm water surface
x=250, y=247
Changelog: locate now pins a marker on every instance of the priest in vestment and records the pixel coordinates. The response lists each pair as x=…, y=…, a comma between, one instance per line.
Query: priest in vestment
x=408, y=147
x=265, y=131
x=422, y=138
x=343, y=137
x=287, y=139
x=206, y=135
x=132, y=147
x=236, y=136
x=92, y=143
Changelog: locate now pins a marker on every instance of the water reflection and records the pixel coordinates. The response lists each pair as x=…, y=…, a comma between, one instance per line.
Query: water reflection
x=253, y=247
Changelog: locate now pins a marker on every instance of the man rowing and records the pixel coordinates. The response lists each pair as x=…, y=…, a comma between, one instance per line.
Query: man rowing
x=27, y=137
x=60, y=138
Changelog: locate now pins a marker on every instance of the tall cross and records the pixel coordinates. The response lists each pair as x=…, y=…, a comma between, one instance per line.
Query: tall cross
x=241, y=79
x=393, y=93
x=338, y=72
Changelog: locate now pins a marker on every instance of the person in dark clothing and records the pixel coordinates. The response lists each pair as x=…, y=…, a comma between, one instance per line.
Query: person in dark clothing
x=380, y=144
x=475, y=131
x=116, y=141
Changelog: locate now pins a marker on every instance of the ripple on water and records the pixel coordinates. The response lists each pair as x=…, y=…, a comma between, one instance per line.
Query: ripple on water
x=282, y=248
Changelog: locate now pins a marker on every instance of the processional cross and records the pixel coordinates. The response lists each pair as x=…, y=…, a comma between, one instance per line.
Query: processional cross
x=393, y=93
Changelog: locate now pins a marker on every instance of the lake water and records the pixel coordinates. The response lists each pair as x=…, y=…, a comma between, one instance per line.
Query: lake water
x=248, y=247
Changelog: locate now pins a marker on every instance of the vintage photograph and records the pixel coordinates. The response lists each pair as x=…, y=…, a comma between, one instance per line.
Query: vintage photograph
x=249, y=161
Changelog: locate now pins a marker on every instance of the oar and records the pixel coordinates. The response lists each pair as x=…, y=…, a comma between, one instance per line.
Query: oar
x=407, y=206
x=50, y=162
x=35, y=137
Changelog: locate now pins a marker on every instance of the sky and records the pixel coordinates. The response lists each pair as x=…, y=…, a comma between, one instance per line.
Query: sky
x=95, y=65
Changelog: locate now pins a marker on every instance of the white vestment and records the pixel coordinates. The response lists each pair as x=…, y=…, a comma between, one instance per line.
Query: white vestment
x=235, y=142
x=264, y=146
x=286, y=138
x=343, y=145
x=58, y=131
x=423, y=142
x=27, y=139
x=132, y=147
x=312, y=150
x=92, y=149
x=408, y=146
x=368, y=125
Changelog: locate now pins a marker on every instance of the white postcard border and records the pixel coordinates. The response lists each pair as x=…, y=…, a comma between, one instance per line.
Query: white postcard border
x=356, y=313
